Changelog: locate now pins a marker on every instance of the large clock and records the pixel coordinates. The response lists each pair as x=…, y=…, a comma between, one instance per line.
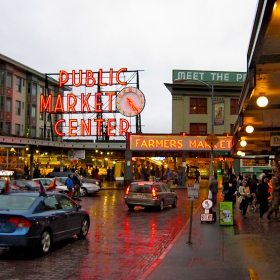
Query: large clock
x=130, y=101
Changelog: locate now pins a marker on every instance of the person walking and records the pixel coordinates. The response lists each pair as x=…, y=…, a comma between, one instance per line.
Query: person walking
x=243, y=198
x=169, y=176
x=263, y=195
x=77, y=185
x=214, y=189
x=275, y=194
x=197, y=174
x=70, y=185
x=229, y=192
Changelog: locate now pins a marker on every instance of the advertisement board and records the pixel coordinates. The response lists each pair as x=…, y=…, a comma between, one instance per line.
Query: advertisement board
x=226, y=213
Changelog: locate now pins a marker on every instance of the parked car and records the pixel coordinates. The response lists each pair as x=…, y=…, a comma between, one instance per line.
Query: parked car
x=26, y=185
x=86, y=188
x=13, y=187
x=60, y=187
x=65, y=174
x=149, y=194
x=30, y=219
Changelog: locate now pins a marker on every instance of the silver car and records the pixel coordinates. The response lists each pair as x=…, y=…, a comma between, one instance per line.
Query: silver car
x=86, y=188
x=149, y=194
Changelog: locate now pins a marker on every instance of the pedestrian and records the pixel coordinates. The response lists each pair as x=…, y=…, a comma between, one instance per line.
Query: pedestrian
x=275, y=194
x=214, y=189
x=254, y=191
x=92, y=172
x=196, y=174
x=240, y=178
x=77, y=185
x=108, y=179
x=244, y=191
x=70, y=185
x=229, y=192
x=175, y=177
x=153, y=174
x=169, y=176
x=263, y=195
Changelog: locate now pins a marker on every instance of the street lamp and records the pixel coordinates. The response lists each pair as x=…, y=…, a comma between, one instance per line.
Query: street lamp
x=211, y=88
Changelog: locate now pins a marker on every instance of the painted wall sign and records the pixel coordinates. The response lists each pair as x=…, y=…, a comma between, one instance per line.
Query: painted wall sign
x=176, y=143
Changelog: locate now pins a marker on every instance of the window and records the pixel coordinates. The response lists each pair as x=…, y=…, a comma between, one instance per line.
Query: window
x=2, y=75
x=8, y=128
x=33, y=111
x=232, y=128
x=18, y=107
x=33, y=132
x=8, y=105
x=2, y=103
x=34, y=89
x=17, y=129
x=41, y=131
x=198, y=128
x=18, y=84
x=9, y=80
x=198, y=105
x=41, y=90
x=234, y=106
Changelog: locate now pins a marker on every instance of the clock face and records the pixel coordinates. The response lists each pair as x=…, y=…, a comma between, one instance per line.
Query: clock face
x=130, y=101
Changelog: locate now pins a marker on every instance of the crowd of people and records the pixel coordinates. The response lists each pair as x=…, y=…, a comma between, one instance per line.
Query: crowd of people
x=258, y=194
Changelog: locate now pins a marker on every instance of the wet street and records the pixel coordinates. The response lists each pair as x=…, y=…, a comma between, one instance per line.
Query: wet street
x=121, y=244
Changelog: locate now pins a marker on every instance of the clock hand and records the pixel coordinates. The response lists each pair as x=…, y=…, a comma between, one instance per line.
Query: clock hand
x=130, y=102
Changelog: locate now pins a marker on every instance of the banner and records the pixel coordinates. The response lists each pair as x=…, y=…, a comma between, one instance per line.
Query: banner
x=219, y=114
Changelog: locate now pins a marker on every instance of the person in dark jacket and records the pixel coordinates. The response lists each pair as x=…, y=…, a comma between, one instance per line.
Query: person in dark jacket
x=77, y=185
x=70, y=185
x=263, y=195
x=214, y=189
x=229, y=192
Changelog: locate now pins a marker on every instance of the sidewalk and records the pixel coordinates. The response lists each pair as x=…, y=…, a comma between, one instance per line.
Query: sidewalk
x=247, y=250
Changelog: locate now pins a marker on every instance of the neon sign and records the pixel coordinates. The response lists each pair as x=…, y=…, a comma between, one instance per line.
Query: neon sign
x=87, y=103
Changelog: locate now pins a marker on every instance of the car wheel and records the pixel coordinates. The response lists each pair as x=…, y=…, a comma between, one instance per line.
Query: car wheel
x=46, y=242
x=130, y=207
x=84, y=229
x=83, y=192
x=161, y=205
x=175, y=202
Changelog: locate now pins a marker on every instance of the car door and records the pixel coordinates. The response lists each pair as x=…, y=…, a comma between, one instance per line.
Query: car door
x=59, y=219
x=168, y=197
x=75, y=217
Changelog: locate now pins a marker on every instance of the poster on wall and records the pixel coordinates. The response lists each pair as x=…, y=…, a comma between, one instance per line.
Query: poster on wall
x=219, y=113
x=76, y=154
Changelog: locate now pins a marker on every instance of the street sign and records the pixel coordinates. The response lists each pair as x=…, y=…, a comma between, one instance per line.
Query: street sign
x=212, y=140
x=193, y=190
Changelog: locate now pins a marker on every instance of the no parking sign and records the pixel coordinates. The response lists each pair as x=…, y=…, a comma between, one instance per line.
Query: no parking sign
x=193, y=190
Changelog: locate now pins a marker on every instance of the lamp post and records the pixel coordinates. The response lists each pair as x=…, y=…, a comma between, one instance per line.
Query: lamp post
x=211, y=88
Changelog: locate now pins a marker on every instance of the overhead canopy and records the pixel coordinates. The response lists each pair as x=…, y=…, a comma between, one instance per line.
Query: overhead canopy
x=263, y=79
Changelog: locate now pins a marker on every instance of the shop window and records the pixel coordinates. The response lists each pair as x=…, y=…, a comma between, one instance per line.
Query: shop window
x=17, y=129
x=198, y=128
x=234, y=106
x=198, y=105
x=18, y=84
x=18, y=108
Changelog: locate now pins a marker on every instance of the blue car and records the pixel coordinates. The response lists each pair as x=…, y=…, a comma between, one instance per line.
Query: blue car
x=34, y=220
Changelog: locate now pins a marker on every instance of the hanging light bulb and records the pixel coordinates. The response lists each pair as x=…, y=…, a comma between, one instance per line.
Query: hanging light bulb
x=262, y=101
x=243, y=154
x=243, y=143
x=249, y=128
x=239, y=153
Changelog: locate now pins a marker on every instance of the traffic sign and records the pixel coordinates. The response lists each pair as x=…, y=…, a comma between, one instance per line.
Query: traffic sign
x=212, y=140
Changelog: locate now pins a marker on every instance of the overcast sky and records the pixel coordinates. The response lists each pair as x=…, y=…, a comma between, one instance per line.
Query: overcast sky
x=151, y=35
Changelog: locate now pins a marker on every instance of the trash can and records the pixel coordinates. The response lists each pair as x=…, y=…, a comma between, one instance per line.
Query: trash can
x=226, y=213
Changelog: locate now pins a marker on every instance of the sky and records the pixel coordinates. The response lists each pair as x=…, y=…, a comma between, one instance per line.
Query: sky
x=155, y=36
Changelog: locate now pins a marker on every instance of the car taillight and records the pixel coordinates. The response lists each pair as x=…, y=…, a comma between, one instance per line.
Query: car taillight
x=154, y=194
x=20, y=222
x=127, y=191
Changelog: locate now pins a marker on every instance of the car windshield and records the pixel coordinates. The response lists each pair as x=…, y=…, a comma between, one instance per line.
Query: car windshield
x=145, y=188
x=13, y=202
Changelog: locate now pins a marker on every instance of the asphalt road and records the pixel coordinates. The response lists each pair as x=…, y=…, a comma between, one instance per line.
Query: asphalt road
x=121, y=244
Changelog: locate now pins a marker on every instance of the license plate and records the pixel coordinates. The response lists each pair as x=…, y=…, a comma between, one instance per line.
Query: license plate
x=206, y=217
x=139, y=196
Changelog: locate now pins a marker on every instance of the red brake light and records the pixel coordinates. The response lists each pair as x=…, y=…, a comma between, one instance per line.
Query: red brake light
x=20, y=222
x=154, y=194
